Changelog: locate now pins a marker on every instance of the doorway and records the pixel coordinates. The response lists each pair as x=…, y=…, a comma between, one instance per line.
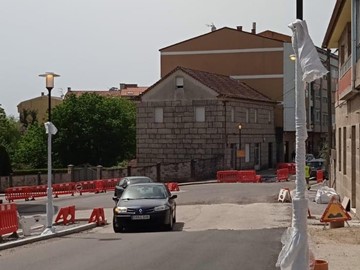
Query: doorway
x=270, y=155
x=257, y=156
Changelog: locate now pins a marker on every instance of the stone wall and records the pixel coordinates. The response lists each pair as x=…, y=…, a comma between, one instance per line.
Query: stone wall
x=190, y=170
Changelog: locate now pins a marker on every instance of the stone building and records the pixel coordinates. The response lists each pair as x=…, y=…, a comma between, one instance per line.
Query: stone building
x=261, y=60
x=191, y=115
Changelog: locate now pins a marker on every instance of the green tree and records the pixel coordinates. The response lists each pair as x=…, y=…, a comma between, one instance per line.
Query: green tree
x=9, y=132
x=94, y=130
x=32, y=148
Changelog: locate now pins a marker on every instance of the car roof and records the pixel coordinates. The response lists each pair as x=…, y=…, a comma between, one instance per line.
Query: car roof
x=316, y=160
x=148, y=184
x=136, y=177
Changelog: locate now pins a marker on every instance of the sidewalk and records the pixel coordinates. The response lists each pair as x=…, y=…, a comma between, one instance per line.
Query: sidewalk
x=81, y=224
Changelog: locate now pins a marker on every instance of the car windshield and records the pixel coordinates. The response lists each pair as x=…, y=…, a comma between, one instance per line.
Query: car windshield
x=144, y=192
x=139, y=180
x=315, y=164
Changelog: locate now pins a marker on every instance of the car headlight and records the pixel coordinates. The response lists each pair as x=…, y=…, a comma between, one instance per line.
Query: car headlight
x=119, y=210
x=161, y=208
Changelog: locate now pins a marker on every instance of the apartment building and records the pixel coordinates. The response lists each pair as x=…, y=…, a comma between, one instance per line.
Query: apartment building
x=343, y=35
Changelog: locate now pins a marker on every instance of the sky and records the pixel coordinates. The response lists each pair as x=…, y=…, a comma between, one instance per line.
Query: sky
x=98, y=44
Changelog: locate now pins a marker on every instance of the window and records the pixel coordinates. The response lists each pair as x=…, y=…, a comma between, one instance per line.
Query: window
x=317, y=116
x=232, y=111
x=325, y=119
x=200, y=114
x=159, y=115
x=340, y=152
x=255, y=116
x=247, y=115
x=269, y=117
x=179, y=82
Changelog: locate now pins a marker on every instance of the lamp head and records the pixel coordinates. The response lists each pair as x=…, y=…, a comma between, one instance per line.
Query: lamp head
x=49, y=79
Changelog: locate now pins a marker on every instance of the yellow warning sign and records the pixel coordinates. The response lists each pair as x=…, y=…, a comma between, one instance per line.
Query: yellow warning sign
x=334, y=212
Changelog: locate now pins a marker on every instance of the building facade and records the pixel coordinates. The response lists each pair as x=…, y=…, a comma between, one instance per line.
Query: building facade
x=262, y=61
x=36, y=109
x=343, y=35
x=190, y=114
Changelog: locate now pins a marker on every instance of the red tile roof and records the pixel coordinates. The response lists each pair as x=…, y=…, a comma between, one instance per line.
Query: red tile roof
x=222, y=84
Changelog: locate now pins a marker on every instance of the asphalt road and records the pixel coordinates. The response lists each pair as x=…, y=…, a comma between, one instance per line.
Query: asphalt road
x=220, y=226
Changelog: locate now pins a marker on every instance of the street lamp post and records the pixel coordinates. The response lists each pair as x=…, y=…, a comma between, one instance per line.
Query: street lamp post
x=50, y=129
x=240, y=153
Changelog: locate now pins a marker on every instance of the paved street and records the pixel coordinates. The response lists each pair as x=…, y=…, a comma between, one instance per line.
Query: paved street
x=219, y=226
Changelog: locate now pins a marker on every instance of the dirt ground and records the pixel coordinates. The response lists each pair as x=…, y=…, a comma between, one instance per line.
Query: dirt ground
x=340, y=247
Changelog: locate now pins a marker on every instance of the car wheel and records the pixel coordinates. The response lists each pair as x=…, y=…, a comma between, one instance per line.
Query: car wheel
x=174, y=217
x=170, y=226
x=117, y=227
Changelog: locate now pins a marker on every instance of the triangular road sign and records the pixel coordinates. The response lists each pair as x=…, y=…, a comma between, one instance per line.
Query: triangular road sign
x=334, y=212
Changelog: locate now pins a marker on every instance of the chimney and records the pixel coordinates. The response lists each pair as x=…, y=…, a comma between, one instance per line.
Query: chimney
x=42, y=93
x=239, y=28
x=69, y=89
x=253, y=30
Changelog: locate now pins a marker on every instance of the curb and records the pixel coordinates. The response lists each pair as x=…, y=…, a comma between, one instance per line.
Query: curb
x=38, y=238
x=198, y=183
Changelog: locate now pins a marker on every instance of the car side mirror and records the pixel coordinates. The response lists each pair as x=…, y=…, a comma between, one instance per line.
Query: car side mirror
x=115, y=199
x=173, y=196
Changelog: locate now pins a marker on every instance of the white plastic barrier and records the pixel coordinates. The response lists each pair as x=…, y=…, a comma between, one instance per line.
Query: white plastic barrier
x=29, y=223
x=284, y=195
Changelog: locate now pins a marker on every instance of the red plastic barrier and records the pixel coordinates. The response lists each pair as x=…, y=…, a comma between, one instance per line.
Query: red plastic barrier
x=38, y=191
x=61, y=189
x=173, y=186
x=86, y=186
x=66, y=214
x=282, y=174
x=319, y=176
x=230, y=176
x=109, y=184
x=99, y=186
x=248, y=176
x=17, y=193
x=98, y=216
x=8, y=219
x=290, y=166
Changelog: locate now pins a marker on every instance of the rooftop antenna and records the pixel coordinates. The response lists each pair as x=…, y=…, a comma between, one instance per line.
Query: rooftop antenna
x=212, y=26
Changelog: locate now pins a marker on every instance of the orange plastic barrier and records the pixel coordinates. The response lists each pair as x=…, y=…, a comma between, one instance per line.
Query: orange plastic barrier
x=230, y=176
x=173, y=186
x=66, y=214
x=17, y=193
x=8, y=219
x=98, y=216
x=282, y=174
x=109, y=184
x=248, y=176
x=61, y=189
x=290, y=166
x=319, y=176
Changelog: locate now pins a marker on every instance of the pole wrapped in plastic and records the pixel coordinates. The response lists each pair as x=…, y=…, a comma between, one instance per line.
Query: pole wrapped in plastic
x=295, y=252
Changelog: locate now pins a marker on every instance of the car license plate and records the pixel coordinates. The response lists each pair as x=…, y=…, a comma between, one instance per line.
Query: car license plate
x=140, y=217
